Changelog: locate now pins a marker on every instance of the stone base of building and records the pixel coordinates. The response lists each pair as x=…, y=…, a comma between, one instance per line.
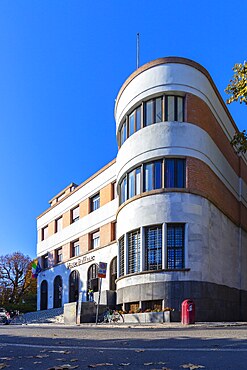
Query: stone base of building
x=213, y=302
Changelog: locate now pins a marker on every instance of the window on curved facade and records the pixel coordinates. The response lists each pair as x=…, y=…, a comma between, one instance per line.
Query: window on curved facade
x=134, y=256
x=174, y=108
x=153, y=248
x=152, y=176
x=121, y=256
x=174, y=173
x=175, y=246
x=113, y=273
x=151, y=112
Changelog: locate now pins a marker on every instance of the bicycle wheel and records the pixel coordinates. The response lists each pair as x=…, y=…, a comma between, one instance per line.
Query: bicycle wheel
x=117, y=317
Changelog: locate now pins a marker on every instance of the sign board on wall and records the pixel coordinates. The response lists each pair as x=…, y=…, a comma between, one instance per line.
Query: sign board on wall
x=102, y=270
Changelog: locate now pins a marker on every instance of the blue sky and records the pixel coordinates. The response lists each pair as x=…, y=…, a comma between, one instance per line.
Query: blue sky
x=62, y=63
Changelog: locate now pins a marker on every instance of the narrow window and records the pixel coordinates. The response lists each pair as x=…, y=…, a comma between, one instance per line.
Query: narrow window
x=153, y=248
x=138, y=180
x=44, y=260
x=123, y=190
x=138, y=118
x=75, y=249
x=175, y=173
x=59, y=255
x=170, y=109
x=152, y=176
x=75, y=214
x=149, y=110
x=158, y=110
x=131, y=184
x=175, y=246
x=121, y=256
x=44, y=233
x=58, y=224
x=134, y=251
x=95, y=202
x=123, y=133
x=131, y=123
x=95, y=239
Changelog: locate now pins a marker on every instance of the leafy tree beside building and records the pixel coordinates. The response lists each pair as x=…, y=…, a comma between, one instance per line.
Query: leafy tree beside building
x=17, y=288
x=237, y=89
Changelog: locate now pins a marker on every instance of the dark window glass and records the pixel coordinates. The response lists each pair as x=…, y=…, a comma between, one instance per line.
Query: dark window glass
x=153, y=248
x=121, y=256
x=123, y=133
x=149, y=112
x=113, y=273
x=132, y=123
x=131, y=185
x=180, y=109
x=174, y=108
x=158, y=110
x=134, y=251
x=148, y=177
x=157, y=175
x=175, y=173
x=123, y=190
x=138, y=118
x=175, y=246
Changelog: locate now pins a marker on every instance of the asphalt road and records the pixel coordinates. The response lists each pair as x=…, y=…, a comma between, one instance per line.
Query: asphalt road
x=159, y=347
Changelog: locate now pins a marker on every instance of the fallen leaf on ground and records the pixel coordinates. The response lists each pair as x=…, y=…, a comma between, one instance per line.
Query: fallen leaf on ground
x=74, y=360
x=64, y=352
x=63, y=367
x=148, y=363
x=37, y=362
x=96, y=365
x=124, y=364
x=6, y=358
x=192, y=366
x=2, y=365
x=61, y=359
x=139, y=350
x=41, y=356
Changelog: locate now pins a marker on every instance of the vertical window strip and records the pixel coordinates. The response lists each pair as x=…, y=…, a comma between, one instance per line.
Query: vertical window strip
x=134, y=251
x=175, y=246
x=153, y=248
x=121, y=256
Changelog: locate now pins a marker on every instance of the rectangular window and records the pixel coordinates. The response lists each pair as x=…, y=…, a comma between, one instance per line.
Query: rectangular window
x=113, y=231
x=44, y=233
x=131, y=184
x=131, y=123
x=59, y=255
x=44, y=259
x=149, y=113
x=114, y=190
x=123, y=190
x=138, y=180
x=153, y=111
x=134, y=251
x=175, y=246
x=75, y=214
x=174, y=108
x=175, y=173
x=123, y=133
x=152, y=176
x=121, y=256
x=95, y=202
x=95, y=239
x=153, y=248
x=75, y=248
x=138, y=118
x=58, y=224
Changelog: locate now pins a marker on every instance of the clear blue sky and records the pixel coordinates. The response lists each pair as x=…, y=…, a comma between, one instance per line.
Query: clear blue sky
x=62, y=63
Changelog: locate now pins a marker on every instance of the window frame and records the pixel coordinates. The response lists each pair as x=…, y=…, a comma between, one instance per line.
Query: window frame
x=57, y=222
x=75, y=218
x=171, y=263
x=95, y=235
x=58, y=255
x=75, y=248
x=95, y=202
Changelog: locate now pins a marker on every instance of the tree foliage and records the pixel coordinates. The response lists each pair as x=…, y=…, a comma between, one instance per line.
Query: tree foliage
x=16, y=283
x=237, y=88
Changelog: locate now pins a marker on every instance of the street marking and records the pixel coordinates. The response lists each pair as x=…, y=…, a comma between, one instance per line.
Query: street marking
x=142, y=349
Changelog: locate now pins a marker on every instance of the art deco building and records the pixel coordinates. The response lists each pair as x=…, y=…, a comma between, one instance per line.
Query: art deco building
x=169, y=215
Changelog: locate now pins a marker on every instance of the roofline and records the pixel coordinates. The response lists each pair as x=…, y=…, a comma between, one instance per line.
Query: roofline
x=79, y=187
x=178, y=60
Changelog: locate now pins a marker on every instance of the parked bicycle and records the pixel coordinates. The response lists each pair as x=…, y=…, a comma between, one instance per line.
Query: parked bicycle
x=112, y=316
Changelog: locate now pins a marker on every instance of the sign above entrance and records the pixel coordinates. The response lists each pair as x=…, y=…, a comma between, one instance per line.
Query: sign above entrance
x=79, y=261
x=102, y=270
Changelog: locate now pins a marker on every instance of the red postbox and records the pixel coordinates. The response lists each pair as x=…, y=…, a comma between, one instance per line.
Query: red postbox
x=188, y=312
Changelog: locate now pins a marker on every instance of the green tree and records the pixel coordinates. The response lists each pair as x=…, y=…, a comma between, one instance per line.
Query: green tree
x=16, y=283
x=237, y=88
